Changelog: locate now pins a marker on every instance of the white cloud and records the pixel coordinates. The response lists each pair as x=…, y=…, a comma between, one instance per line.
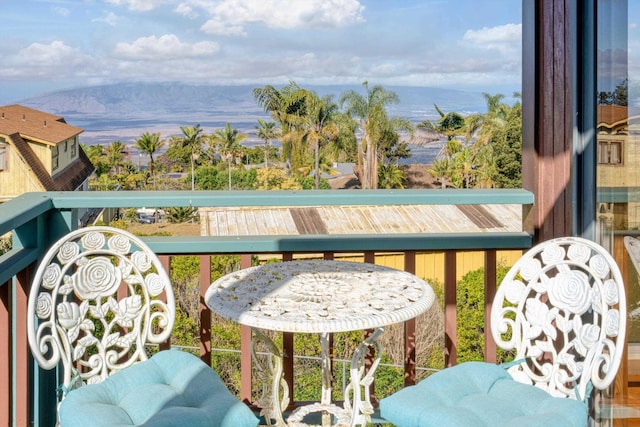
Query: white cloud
x=62, y=11
x=223, y=28
x=110, y=19
x=141, y=5
x=228, y=17
x=186, y=10
x=55, y=53
x=166, y=47
x=504, y=38
x=40, y=60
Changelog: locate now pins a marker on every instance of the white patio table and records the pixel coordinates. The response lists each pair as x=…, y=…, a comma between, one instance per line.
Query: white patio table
x=323, y=297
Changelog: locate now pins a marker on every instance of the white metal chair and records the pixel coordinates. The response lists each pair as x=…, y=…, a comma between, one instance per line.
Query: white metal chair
x=99, y=297
x=562, y=308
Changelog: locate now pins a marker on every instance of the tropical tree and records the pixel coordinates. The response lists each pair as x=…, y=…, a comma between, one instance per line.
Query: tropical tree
x=276, y=179
x=285, y=106
x=482, y=150
x=114, y=154
x=481, y=128
x=267, y=131
x=391, y=176
x=192, y=138
x=316, y=126
x=180, y=214
x=344, y=147
x=228, y=143
x=149, y=143
x=450, y=124
x=98, y=158
x=440, y=170
x=370, y=110
x=507, y=149
x=465, y=164
x=177, y=157
x=487, y=171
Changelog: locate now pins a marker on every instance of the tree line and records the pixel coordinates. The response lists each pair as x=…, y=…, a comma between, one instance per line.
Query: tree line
x=482, y=150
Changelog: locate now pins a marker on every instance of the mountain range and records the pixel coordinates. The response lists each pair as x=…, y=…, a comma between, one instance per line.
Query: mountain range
x=124, y=111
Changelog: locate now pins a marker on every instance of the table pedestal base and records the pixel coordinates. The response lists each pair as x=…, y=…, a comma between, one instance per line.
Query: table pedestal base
x=332, y=415
x=357, y=396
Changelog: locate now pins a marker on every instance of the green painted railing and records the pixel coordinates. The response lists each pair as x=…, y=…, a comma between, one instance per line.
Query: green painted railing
x=38, y=219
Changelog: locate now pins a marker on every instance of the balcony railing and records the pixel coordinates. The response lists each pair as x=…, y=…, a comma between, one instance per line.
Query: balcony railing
x=36, y=220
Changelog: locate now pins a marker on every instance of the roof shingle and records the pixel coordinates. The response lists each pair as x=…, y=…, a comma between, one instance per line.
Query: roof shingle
x=35, y=124
x=23, y=124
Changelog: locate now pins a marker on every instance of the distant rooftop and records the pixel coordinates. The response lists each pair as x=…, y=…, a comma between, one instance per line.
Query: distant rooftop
x=256, y=221
x=35, y=125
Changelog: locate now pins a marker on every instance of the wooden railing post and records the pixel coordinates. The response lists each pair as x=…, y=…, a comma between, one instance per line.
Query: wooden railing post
x=21, y=351
x=410, y=330
x=490, y=273
x=245, y=349
x=450, y=315
x=5, y=355
x=205, y=313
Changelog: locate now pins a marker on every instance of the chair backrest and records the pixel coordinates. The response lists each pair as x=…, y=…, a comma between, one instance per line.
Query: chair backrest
x=632, y=244
x=562, y=307
x=98, y=296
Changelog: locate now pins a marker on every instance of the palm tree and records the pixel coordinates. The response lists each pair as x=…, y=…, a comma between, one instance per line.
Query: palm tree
x=115, y=155
x=96, y=154
x=441, y=170
x=371, y=112
x=228, y=142
x=149, y=143
x=267, y=131
x=449, y=124
x=192, y=138
x=487, y=167
x=316, y=126
x=465, y=164
x=285, y=106
x=392, y=176
x=181, y=214
x=344, y=147
x=483, y=127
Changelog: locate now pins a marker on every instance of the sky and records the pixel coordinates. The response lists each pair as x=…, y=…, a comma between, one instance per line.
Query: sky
x=50, y=45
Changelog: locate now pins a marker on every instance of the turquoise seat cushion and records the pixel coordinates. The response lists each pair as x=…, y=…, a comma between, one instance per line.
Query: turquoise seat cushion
x=172, y=388
x=479, y=394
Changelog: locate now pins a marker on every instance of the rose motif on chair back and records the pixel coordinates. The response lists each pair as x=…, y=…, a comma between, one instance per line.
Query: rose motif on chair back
x=101, y=295
x=96, y=278
x=562, y=308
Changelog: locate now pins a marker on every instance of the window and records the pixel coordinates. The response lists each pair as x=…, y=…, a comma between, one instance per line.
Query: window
x=54, y=158
x=73, y=147
x=66, y=146
x=3, y=156
x=610, y=152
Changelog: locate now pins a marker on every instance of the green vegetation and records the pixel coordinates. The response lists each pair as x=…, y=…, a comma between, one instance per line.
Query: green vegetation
x=378, y=129
x=149, y=143
x=470, y=316
x=482, y=150
x=5, y=245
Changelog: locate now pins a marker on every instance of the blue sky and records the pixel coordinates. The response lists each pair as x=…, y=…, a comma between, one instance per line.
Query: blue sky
x=49, y=45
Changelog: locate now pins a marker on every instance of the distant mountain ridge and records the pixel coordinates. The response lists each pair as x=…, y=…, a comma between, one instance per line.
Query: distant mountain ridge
x=123, y=111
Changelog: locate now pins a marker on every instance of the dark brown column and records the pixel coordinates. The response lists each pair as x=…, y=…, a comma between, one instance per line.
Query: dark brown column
x=547, y=116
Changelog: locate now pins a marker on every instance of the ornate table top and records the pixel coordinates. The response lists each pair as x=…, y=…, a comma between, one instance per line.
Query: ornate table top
x=319, y=296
